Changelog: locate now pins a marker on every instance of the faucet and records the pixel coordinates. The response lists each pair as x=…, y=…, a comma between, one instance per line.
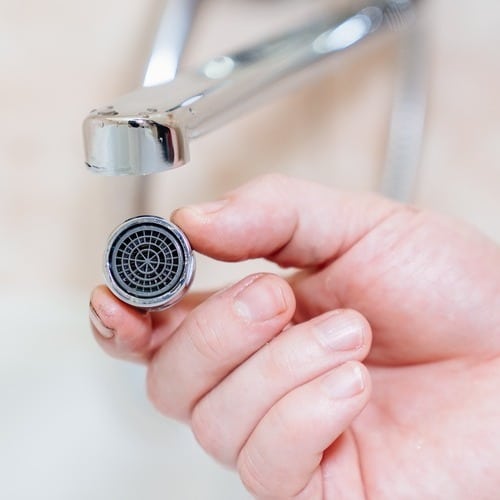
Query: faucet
x=149, y=130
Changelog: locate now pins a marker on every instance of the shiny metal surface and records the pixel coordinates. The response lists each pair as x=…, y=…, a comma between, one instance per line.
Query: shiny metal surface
x=172, y=35
x=149, y=129
x=148, y=263
x=170, y=40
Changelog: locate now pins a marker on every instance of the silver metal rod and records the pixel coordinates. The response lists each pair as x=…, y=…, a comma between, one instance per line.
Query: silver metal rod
x=149, y=130
x=170, y=40
x=406, y=133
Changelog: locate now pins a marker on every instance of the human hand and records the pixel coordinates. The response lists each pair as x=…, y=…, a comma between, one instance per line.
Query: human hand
x=283, y=380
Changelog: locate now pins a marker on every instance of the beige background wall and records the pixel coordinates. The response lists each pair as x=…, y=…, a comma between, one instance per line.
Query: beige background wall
x=74, y=424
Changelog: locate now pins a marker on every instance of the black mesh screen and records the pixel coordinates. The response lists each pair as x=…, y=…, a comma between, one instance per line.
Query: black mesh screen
x=146, y=260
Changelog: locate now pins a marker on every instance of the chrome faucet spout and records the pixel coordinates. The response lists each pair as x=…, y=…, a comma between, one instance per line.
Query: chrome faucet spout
x=149, y=130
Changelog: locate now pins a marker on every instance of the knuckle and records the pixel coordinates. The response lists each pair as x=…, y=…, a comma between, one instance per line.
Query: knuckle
x=262, y=483
x=209, y=426
x=261, y=475
x=205, y=335
x=263, y=480
x=283, y=422
x=204, y=428
x=159, y=393
x=251, y=475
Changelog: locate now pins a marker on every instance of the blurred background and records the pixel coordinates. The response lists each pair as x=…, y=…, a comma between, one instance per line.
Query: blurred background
x=75, y=424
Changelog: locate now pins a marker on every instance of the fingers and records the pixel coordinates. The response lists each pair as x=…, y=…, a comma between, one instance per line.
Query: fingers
x=290, y=360
x=292, y=222
x=122, y=331
x=282, y=456
x=216, y=337
x=125, y=332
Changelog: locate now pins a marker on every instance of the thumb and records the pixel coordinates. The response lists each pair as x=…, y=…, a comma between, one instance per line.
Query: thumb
x=286, y=220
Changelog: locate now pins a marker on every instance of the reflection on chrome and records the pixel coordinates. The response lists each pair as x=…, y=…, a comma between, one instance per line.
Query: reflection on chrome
x=220, y=67
x=349, y=32
x=170, y=39
x=119, y=140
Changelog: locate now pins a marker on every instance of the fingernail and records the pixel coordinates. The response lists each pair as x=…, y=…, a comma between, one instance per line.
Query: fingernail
x=209, y=208
x=345, y=382
x=261, y=300
x=103, y=330
x=340, y=331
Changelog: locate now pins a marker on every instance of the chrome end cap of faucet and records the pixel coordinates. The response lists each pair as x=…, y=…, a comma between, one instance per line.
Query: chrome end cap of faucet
x=149, y=263
x=139, y=144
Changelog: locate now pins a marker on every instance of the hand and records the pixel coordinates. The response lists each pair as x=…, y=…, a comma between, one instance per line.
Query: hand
x=283, y=381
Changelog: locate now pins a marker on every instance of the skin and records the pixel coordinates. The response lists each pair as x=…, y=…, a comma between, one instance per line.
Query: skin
x=372, y=373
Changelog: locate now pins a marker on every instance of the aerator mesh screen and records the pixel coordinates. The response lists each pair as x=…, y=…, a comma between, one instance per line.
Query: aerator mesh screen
x=146, y=260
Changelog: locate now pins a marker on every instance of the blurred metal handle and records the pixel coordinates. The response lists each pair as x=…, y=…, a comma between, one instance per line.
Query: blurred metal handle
x=170, y=40
x=406, y=133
